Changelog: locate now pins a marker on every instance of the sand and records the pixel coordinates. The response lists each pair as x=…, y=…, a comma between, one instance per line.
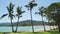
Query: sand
x=42, y=29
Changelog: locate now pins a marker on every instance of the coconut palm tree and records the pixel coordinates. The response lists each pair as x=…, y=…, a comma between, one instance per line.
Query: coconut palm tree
x=41, y=12
x=30, y=7
x=10, y=14
x=19, y=14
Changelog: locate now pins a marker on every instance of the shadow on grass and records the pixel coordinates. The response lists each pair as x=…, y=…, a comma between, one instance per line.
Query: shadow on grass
x=48, y=32
x=54, y=32
x=4, y=33
x=36, y=33
x=10, y=32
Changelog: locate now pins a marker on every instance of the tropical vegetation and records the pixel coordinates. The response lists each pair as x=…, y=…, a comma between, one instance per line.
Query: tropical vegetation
x=30, y=7
x=52, y=13
x=10, y=14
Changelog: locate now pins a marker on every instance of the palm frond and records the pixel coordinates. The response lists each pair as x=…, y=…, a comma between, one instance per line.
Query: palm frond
x=3, y=15
x=13, y=15
x=21, y=16
x=8, y=8
x=26, y=6
x=33, y=0
x=42, y=7
x=11, y=5
x=36, y=12
x=34, y=4
x=23, y=11
x=31, y=5
x=19, y=10
x=17, y=15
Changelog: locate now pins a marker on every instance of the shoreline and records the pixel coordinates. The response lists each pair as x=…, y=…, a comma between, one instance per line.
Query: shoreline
x=42, y=29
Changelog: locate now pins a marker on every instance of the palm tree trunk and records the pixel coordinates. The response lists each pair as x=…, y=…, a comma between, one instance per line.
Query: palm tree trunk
x=12, y=25
x=50, y=27
x=59, y=26
x=31, y=20
x=17, y=25
x=53, y=26
x=49, y=24
x=43, y=24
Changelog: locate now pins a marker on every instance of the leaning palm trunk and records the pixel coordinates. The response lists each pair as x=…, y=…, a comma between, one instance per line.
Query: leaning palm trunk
x=31, y=20
x=43, y=24
x=12, y=25
x=17, y=25
x=49, y=24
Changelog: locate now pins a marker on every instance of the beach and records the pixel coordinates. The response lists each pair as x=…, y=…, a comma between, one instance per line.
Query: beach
x=42, y=29
x=27, y=28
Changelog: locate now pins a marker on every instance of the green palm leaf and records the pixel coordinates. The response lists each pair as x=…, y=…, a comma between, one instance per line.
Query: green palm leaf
x=3, y=15
x=19, y=11
x=22, y=11
x=34, y=4
x=36, y=12
x=31, y=5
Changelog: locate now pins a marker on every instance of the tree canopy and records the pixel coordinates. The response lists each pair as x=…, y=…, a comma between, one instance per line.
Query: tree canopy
x=53, y=11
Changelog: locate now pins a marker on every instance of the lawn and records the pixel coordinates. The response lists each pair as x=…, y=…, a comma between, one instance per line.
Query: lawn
x=47, y=32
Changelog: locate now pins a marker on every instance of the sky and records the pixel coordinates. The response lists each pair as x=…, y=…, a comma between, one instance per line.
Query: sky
x=26, y=15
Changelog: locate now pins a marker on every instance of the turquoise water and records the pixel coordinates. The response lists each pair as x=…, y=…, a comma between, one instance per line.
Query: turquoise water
x=20, y=28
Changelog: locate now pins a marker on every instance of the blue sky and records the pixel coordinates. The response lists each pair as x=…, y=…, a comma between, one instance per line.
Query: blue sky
x=26, y=15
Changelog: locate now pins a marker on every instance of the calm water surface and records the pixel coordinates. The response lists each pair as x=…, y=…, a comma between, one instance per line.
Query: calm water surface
x=20, y=28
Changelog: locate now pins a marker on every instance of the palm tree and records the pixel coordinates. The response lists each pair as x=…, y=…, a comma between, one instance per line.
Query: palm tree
x=19, y=14
x=41, y=12
x=10, y=14
x=30, y=7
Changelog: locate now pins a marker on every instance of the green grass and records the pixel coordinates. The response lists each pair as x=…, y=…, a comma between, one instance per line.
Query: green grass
x=1, y=33
x=46, y=32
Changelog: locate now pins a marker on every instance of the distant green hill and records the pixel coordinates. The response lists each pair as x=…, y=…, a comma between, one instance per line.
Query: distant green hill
x=23, y=23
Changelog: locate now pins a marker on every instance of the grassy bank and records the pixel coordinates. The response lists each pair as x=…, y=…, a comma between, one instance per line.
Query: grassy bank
x=47, y=32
